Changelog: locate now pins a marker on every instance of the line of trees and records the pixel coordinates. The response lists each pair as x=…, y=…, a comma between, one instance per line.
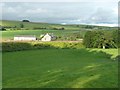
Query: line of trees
x=102, y=39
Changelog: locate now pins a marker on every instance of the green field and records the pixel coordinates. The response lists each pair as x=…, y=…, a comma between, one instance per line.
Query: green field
x=13, y=28
x=62, y=68
x=52, y=64
x=31, y=25
x=11, y=34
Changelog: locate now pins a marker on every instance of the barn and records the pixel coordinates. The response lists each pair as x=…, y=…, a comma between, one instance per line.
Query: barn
x=25, y=38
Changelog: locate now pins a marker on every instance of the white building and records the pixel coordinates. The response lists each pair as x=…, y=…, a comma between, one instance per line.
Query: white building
x=24, y=38
x=48, y=37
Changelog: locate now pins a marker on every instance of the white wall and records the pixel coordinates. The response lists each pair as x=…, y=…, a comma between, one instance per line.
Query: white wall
x=47, y=37
x=24, y=38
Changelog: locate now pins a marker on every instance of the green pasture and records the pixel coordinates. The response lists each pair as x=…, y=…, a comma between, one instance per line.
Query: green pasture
x=47, y=66
x=13, y=28
x=26, y=24
x=37, y=33
x=60, y=68
x=48, y=26
x=31, y=25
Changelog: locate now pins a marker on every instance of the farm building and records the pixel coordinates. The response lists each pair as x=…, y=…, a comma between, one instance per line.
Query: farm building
x=48, y=37
x=25, y=38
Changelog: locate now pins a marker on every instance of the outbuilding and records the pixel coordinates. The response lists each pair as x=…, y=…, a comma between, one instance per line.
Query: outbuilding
x=25, y=38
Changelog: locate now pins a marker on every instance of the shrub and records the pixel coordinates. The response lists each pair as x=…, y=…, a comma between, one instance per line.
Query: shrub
x=21, y=25
x=36, y=28
x=58, y=28
x=42, y=45
x=15, y=46
x=2, y=28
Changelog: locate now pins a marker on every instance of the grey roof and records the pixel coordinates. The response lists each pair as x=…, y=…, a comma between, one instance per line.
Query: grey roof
x=24, y=36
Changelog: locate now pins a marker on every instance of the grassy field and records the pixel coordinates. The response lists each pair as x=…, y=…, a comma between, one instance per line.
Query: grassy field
x=51, y=68
x=57, y=68
x=13, y=28
x=11, y=34
x=31, y=25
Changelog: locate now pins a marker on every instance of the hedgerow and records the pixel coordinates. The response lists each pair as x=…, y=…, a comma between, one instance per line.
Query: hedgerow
x=19, y=46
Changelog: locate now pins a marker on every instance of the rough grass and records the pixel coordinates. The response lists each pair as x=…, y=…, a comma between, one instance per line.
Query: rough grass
x=51, y=68
x=112, y=52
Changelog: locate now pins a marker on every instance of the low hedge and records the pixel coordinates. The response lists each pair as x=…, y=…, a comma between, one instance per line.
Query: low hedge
x=15, y=46
x=19, y=46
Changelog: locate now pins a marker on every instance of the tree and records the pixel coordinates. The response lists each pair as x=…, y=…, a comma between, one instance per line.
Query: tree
x=88, y=39
x=21, y=25
x=116, y=37
x=99, y=39
x=2, y=28
x=25, y=21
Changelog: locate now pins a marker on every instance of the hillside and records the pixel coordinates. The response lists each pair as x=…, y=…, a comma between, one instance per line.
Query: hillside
x=40, y=25
x=35, y=25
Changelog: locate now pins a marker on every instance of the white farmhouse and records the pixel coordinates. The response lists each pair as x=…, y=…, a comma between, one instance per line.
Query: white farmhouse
x=25, y=38
x=48, y=37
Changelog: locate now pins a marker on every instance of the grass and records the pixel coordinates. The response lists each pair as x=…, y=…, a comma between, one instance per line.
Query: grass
x=31, y=25
x=11, y=34
x=112, y=52
x=59, y=68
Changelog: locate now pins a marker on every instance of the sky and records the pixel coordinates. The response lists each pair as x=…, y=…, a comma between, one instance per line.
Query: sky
x=63, y=12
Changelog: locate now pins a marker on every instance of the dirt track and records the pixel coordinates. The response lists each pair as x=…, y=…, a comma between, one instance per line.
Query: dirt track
x=42, y=41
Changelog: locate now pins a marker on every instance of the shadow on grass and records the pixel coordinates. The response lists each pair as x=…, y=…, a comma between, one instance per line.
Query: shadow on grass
x=77, y=68
x=93, y=76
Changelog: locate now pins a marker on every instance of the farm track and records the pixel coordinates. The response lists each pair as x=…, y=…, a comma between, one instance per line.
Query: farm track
x=41, y=41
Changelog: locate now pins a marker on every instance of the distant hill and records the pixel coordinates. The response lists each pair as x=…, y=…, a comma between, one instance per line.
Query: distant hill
x=17, y=24
x=37, y=25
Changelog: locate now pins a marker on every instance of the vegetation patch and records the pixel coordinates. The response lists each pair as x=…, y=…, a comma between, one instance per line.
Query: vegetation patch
x=101, y=39
x=19, y=46
x=59, y=68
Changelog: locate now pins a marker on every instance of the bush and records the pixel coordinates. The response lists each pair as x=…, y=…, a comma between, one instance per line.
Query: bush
x=2, y=28
x=58, y=28
x=36, y=28
x=21, y=25
x=15, y=46
x=42, y=45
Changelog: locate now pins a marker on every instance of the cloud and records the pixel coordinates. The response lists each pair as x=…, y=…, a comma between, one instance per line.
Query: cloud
x=59, y=0
x=75, y=13
x=10, y=10
x=102, y=16
x=2, y=4
x=115, y=10
x=36, y=11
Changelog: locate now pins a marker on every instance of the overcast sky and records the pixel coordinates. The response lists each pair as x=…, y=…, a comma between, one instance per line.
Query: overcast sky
x=104, y=12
